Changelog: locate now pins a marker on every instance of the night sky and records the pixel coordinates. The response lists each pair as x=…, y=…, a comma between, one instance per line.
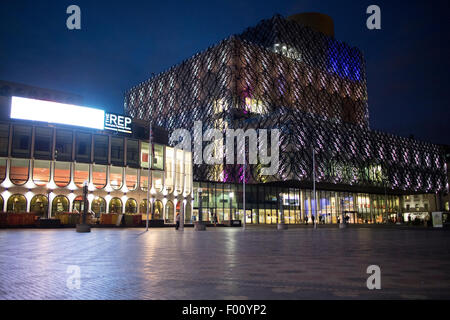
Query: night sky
x=123, y=42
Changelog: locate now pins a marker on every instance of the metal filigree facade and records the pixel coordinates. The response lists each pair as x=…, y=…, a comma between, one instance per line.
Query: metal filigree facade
x=312, y=87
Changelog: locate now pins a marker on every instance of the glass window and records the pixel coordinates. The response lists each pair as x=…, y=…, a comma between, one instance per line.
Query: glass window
x=101, y=149
x=98, y=206
x=2, y=169
x=158, y=180
x=131, y=178
x=17, y=203
x=115, y=205
x=21, y=143
x=158, y=207
x=188, y=172
x=117, y=151
x=63, y=145
x=99, y=176
x=144, y=154
x=143, y=207
x=1, y=204
x=83, y=147
x=60, y=204
x=131, y=206
x=81, y=174
x=116, y=177
x=179, y=170
x=41, y=172
x=144, y=179
x=39, y=205
x=133, y=153
x=62, y=173
x=169, y=211
x=169, y=171
x=4, y=139
x=78, y=205
x=18, y=173
x=158, y=163
x=43, y=143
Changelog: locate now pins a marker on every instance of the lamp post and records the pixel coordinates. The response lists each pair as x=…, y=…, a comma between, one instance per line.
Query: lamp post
x=83, y=227
x=314, y=187
x=150, y=161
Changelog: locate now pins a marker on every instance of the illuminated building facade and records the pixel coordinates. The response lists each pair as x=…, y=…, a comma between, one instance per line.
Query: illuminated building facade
x=47, y=163
x=284, y=75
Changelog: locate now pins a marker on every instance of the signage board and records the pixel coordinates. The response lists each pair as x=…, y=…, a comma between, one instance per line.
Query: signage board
x=117, y=122
x=55, y=112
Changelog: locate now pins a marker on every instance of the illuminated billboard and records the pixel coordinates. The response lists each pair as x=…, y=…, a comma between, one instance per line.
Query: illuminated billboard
x=55, y=112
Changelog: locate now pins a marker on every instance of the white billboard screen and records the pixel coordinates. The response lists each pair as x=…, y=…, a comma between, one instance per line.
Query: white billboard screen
x=54, y=112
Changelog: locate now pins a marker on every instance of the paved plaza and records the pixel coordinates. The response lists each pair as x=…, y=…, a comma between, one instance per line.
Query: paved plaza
x=225, y=263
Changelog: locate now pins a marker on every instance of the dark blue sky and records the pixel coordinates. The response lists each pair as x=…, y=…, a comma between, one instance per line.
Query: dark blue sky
x=122, y=42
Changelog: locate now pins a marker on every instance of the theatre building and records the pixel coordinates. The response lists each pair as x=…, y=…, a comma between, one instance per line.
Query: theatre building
x=46, y=156
x=293, y=75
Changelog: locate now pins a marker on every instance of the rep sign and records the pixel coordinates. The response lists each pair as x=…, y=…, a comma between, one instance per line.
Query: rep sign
x=118, y=123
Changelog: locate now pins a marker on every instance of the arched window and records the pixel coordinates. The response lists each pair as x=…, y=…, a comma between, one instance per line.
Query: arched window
x=78, y=205
x=41, y=172
x=99, y=176
x=169, y=211
x=158, y=207
x=98, y=206
x=39, y=205
x=187, y=211
x=62, y=174
x=18, y=173
x=116, y=177
x=2, y=203
x=131, y=206
x=115, y=205
x=81, y=174
x=143, y=206
x=17, y=203
x=2, y=169
x=60, y=204
x=131, y=178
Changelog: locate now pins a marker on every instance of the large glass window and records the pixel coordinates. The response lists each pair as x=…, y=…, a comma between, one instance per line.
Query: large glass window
x=1, y=204
x=99, y=176
x=2, y=169
x=19, y=171
x=101, y=149
x=169, y=171
x=143, y=207
x=78, y=205
x=21, y=144
x=4, y=139
x=60, y=204
x=131, y=178
x=158, y=162
x=158, y=180
x=158, y=210
x=179, y=170
x=188, y=172
x=133, y=153
x=39, y=205
x=83, y=147
x=131, y=206
x=43, y=143
x=117, y=151
x=63, y=145
x=116, y=177
x=62, y=173
x=145, y=155
x=115, y=205
x=17, y=203
x=81, y=174
x=169, y=211
x=41, y=172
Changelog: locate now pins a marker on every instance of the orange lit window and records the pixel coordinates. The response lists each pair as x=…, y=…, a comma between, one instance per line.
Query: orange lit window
x=19, y=171
x=81, y=174
x=2, y=170
x=41, y=172
x=62, y=174
x=131, y=179
x=116, y=177
x=99, y=176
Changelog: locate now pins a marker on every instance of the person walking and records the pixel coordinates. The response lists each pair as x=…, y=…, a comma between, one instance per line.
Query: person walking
x=177, y=221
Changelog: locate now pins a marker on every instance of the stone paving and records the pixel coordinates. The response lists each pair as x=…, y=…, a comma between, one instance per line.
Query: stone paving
x=225, y=263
